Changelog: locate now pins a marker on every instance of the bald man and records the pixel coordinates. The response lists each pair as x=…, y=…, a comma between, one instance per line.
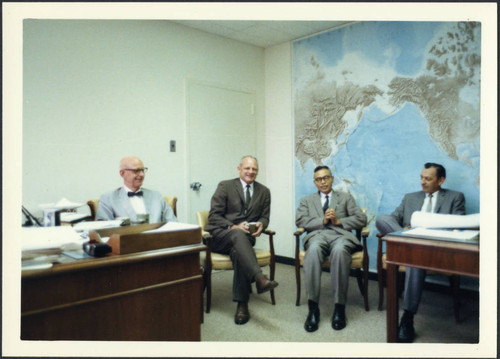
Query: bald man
x=132, y=199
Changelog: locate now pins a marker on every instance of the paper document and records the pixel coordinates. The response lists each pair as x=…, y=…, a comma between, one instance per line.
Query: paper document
x=94, y=225
x=72, y=216
x=438, y=220
x=174, y=226
x=444, y=234
x=62, y=204
x=64, y=237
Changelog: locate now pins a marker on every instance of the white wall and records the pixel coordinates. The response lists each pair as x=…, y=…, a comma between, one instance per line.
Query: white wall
x=95, y=91
x=279, y=146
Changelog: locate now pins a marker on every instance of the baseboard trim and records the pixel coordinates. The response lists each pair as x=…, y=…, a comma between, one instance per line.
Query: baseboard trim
x=372, y=276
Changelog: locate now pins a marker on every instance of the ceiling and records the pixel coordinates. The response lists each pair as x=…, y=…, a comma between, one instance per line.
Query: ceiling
x=262, y=33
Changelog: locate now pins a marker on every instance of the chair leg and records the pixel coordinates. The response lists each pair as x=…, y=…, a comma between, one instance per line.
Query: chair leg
x=209, y=289
x=365, y=289
x=203, y=285
x=381, y=277
x=455, y=288
x=273, y=268
x=297, y=279
x=359, y=280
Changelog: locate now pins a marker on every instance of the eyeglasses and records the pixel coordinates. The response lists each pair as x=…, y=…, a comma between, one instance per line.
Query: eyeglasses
x=321, y=179
x=137, y=170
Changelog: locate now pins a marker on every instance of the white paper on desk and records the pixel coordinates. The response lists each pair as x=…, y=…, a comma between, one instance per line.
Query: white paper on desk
x=62, y=204
x=94, y=225
x=174, y=226
x=64, y=237
x=439, y=220
x=462, y=235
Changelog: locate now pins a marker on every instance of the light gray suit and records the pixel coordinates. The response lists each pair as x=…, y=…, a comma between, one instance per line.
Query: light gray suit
x=227, y=208
x=117, y=204
x=448, y=202
x=336, y=242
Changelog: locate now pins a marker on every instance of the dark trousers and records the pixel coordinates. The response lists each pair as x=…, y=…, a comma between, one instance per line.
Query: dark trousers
x=239, y=246
x=415, y=277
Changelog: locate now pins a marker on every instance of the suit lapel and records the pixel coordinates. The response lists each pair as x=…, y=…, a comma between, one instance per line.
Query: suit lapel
x=420, y=201
x=239, y=189
x=317, y=204
x=441, y=199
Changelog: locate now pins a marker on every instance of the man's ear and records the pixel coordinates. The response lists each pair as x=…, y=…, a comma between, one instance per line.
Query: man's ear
x=441, y=181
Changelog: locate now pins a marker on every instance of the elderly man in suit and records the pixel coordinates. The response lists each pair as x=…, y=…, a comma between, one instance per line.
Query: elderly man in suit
x=132, y=199
x=235, y=204
x=432, y=198
x=328, y=217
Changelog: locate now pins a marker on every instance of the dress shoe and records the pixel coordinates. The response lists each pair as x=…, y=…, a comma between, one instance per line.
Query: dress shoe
x=339, y=320
x=406, y=331
x=263, y=284
x=242, y=315
x=312, y=320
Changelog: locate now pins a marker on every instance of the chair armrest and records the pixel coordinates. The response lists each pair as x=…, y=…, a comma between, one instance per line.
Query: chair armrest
x=299, y=231
x=269, y=232
x=297, y=235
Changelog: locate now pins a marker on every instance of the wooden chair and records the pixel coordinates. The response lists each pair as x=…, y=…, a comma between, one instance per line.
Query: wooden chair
x=381, y=274
x=94, y=203
x=222, y=261
x=360, y=260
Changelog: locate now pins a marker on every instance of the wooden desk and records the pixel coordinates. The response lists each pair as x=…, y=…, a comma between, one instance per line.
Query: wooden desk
x=151, y=295
x=452, y=257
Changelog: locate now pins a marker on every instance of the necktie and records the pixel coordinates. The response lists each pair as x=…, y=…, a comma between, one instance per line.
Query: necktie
x=247, y=198
x=132, y=194
x=429, y=204
x=326, y=204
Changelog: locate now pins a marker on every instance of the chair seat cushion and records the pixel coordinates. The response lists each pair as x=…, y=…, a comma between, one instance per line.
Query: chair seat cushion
x=223, y=261
x=357, y=259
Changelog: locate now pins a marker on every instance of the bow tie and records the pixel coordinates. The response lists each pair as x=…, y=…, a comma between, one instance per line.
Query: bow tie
x=132, y=194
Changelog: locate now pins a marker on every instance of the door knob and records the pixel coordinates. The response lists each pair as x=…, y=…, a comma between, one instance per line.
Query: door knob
x=195, y=186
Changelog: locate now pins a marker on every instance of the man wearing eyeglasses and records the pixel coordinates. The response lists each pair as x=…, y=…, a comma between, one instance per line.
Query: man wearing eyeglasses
x=132, y=200
x=328, y=217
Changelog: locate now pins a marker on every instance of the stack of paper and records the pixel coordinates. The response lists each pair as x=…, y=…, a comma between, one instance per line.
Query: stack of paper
x=439, y=220
x=444, y=234
x=60, y=238
x=174, y=226
x=62, y=204
x=95, y=225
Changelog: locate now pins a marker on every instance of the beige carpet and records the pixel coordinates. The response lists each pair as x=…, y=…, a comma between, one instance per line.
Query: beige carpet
x=284, y=321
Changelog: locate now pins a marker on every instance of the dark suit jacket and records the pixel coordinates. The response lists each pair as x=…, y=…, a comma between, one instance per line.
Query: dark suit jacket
x=310, y=216
x=448, y=202
x=227, y=206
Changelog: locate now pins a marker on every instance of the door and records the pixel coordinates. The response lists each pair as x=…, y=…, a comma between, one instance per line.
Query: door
x=221, y=130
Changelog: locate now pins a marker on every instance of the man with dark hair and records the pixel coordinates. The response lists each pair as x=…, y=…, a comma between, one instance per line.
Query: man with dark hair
x=328, y=217
x=432, y=198
x=235, y=204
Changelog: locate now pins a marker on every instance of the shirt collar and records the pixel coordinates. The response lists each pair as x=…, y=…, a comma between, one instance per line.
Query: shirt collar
x=323, y=195
x=129, y=190
x=244, y=184
x=434, y=194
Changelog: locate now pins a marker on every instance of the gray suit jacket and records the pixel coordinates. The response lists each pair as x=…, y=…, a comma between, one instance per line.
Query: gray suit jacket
x=448, y=202
x=227, y=206
x=117, y=204
x=310, y=216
